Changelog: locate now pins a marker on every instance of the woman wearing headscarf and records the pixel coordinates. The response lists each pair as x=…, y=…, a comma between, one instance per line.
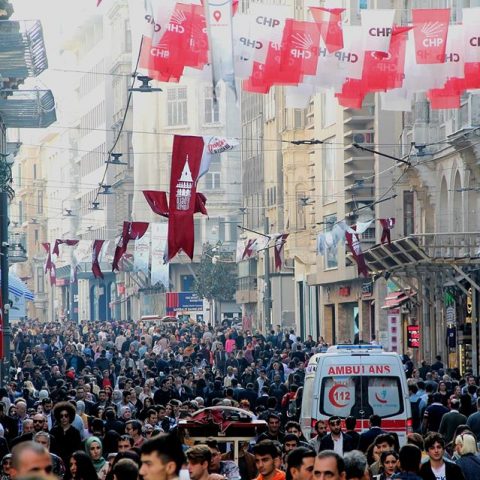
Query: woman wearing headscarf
x=93, y=447
x=67, y=437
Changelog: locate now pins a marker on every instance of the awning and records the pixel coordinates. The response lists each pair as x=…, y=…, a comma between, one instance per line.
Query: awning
x=17, y=287
x=395, y=299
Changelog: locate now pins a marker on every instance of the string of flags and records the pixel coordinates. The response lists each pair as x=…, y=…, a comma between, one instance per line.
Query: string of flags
x=341, y=232
x=250, y=247
x=155, y=243
x=266, y=46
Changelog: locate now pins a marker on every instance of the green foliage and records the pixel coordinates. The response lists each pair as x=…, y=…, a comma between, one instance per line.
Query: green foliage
x=216, y=275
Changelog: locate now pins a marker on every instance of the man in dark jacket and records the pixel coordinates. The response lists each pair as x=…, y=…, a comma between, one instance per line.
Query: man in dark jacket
x=336, y=440
x=410, y=458
x=436, y=467
x=368, y=437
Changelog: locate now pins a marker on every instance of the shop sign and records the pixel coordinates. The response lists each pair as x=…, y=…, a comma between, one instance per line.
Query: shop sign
x=367, y=289
x=413, y=336
x=451, y=315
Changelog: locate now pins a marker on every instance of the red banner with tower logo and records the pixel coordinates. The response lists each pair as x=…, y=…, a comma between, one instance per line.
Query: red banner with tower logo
x=186, y=158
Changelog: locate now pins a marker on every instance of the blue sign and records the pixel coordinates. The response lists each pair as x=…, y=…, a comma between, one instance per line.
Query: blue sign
x=183, y=301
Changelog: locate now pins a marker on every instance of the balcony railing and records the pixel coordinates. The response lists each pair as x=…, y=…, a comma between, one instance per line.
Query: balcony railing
x=22, y=49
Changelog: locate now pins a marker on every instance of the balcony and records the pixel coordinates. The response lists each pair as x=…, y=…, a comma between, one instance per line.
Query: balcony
x=22, y=49
x=246, y=290
x=27, y=108
x=17, y=252
x=356, y=117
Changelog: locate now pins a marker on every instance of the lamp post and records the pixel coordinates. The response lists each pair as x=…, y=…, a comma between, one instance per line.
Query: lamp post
x=6, y=194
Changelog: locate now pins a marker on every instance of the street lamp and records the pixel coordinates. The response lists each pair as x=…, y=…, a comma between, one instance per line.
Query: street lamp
x=6, y=194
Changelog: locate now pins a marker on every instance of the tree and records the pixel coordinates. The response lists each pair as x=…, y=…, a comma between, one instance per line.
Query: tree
x=215, y=277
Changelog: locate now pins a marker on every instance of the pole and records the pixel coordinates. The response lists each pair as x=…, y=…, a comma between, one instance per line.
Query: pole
x=267, y=296
x=474, y=331
x=4, y=279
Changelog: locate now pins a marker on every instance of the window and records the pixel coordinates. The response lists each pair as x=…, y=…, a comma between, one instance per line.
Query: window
x=329, y=108
x=348, y=395
x=34, y=171
x=20, y=212
x=214, y=176
x=39, y=202
x=331, y=250
x=328, y=171
x=298, y=118
x=36, y=235
x=212, y=110
x=300, y=211
x=177, y=106
x=408, y=214
x=40, y=280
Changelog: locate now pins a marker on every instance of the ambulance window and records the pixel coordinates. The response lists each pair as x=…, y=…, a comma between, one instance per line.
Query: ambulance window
x=384, y=395
x=361, y=396
x=337, y=396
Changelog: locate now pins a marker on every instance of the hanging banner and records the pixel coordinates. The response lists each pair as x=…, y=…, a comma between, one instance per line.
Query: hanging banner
x=186, y=159
x=377, y=25
x=141, y=256
x=59, y=242
x=131, y=231
x=387, y=225
x=220, y=33
x=160, y=269
x=278, y=249
x=214, y=146
x=329, y=21
x=430, y=33
x=83, y=252
x=353, y=242
x=471, y=22
x=97, y=247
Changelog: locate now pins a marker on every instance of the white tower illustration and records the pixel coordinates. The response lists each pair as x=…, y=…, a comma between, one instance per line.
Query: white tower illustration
x=184, y=188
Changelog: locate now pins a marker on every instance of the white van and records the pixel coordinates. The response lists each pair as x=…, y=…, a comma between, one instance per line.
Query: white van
x=361, y=380
x=307, y=396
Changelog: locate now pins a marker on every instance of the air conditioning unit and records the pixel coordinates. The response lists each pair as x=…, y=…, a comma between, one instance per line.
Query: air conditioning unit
x=366, y=137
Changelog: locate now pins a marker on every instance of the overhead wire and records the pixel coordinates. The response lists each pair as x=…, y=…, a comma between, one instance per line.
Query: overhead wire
x=122, y=124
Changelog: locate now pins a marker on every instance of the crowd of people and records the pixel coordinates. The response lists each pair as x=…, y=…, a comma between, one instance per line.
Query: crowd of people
x=107, y=400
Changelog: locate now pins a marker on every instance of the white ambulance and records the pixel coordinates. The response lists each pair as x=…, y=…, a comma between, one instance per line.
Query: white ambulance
x=361, y=380
x=307, y=396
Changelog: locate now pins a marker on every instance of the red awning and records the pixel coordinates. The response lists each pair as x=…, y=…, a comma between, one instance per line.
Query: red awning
x=395, y=299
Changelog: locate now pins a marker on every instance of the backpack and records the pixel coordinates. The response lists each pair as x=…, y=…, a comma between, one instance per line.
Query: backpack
x=416, y=420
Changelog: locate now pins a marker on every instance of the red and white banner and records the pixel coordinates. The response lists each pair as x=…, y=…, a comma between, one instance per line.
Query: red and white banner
x=377, y=26
x=329, y=21
x=387, y=225
x=131, y=231
x=299, y=50
x=186, y=159
x=49, y=263
x=97, y=248
x=430, y=33
x=58, y=242
x=278, y=249
x=214, y=146
x=355, y=248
